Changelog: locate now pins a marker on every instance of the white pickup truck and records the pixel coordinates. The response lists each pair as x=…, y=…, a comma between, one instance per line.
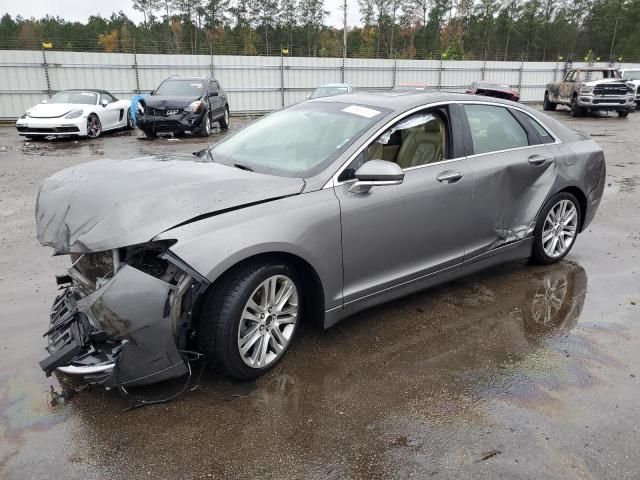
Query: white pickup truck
x=591, y=89
x=632, y=75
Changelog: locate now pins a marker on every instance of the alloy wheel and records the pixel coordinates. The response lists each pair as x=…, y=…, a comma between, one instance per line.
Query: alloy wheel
x=94, y=128
x=560, y=228
x=268, y=321
x=548, y=300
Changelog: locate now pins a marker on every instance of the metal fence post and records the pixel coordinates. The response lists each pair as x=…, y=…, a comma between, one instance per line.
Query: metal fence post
x=440, y=74
x=484, y=68
x=395, y=68
x=520, y=76
x=45, y=65
x=342, y=70
x=135, y=67
x=281, y=76
x=212, y=70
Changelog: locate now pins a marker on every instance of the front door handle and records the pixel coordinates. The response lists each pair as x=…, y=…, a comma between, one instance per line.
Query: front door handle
x=537, y=160
x=449, y=176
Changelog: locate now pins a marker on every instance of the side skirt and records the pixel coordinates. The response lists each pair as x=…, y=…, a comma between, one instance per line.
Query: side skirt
x=513, y=251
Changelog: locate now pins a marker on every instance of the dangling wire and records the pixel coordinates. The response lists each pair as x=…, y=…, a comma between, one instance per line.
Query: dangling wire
x=189, y=356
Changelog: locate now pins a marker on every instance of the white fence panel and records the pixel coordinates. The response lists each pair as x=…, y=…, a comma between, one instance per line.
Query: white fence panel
x=254, y=84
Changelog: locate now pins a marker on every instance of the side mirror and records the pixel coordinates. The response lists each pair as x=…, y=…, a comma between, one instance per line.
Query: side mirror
x=377, y=173
x=308, y=96
x=104, y=102
x=44, y=101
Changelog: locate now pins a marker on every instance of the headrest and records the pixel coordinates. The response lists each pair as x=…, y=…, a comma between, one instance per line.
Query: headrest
x=434, y=126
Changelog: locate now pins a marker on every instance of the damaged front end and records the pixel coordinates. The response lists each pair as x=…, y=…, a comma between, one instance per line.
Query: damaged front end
x=123, y=316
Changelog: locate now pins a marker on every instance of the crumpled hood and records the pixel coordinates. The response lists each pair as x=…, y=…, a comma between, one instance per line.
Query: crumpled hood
x=52, y=110
x=168, y=102
x=115, y=203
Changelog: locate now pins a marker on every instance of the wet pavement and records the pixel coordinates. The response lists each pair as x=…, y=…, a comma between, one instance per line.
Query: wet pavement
x=516, y=372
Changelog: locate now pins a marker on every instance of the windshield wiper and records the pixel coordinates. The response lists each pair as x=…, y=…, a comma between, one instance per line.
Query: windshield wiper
x=243, y=167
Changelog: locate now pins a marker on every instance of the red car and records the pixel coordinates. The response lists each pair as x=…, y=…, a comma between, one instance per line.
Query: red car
x=493, y=89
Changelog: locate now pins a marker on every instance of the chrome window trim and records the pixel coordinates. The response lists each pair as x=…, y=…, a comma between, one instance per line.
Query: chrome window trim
x=333, y=181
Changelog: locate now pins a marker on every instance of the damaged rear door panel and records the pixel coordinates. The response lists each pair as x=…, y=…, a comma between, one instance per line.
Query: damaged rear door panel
x=513, y=176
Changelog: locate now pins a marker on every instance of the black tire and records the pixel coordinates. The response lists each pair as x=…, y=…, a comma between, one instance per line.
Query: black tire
x=538, y=255
x=224, y=121
x=623, y=113
x=94, y=127
x=204, y=130
x=219, y=319
x=576, y=110
x=130, y=123
x=547, y=104
x=150, y=134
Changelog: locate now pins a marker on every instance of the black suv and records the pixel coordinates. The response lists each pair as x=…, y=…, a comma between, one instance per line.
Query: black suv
x=183, y=104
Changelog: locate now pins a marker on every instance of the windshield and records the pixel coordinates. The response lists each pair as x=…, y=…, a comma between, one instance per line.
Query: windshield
x=181, y=88
x=632, y=75
x=87, y=98
x=299, y=141
x=590, y=75
x=328, y=91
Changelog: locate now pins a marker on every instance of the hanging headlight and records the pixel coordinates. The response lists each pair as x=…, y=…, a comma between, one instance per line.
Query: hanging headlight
x=194, y=106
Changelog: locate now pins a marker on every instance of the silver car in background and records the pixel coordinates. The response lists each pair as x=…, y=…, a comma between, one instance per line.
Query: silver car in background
x=311, y=213
x=331, y=89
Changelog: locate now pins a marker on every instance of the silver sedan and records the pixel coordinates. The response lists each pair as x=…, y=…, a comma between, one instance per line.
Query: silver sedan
x=309, y=214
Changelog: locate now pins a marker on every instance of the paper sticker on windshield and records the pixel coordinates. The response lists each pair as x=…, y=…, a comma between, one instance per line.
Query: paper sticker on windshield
x=362, y=111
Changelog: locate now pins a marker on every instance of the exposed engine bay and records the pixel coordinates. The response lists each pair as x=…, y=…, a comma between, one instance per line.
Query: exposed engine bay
x=101, y=330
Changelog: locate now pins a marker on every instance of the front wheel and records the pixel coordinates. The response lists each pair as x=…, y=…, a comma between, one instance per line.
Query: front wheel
x=205, y=128
x=576, y=110
x=249, y=320
x=547, y=104
x=556, y=229
x=623, y=113
x=94, y=127
x=150, y=134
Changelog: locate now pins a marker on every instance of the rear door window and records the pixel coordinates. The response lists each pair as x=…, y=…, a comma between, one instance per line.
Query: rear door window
x=536, y=127
x=494, y=129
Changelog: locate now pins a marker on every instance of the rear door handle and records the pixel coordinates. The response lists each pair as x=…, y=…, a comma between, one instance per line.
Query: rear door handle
x=449, y=176
x=537, y=160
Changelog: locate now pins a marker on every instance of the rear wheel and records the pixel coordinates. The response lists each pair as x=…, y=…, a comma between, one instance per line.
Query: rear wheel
x=547, y=104
x=249, y=320
x=130, y=122
x=224, y=121
x=94, y=127
x=556, y=229
x=623, y=113
x=576, y=110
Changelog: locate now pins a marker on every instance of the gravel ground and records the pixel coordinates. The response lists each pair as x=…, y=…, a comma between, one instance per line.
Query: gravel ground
x=460, y=381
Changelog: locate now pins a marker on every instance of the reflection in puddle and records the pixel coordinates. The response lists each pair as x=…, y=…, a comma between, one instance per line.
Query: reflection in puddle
x=378, y=382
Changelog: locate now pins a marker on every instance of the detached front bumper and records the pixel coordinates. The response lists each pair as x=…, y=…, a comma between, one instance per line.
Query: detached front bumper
x=179, y=122
x=122, y=334
x=47, y=127
x=606, y=102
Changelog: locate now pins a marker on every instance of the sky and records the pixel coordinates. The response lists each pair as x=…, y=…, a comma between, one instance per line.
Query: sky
x=80, y=10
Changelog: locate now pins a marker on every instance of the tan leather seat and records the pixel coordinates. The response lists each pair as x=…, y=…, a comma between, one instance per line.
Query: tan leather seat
x=423, y=144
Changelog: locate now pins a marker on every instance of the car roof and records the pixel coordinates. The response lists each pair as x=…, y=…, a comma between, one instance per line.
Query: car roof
x=402, y=100
x=92, y=90
x=595, y=69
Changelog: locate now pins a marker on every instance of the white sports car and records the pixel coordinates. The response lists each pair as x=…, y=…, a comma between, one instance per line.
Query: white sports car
x=85, y=113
